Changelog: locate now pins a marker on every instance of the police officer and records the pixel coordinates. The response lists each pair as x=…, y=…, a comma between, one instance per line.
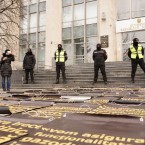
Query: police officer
x=60, y=58
x=135, y=53
x=99, y=57
x=29, y=64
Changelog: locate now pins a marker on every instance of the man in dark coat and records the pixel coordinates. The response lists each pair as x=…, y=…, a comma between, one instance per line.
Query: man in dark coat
x=6, y=69
x=99, y=57
x=136, y=54
x=29, y=64
x=60, y=58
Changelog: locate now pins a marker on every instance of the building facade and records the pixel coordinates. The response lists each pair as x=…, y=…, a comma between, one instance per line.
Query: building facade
x=79, y=25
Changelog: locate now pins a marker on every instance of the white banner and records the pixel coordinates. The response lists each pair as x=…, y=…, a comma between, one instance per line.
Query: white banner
x=130, y=25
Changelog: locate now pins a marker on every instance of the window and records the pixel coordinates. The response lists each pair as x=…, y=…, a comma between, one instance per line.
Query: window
x=123, y=7
x=32, y=38
x=79, y=15
x=91, y=30
x=42, y=6
x=66, y=2
x=79, y=32
x=42, y=21
x=33, y=8
x=33, y=22
x=66, y=33
x=138, y=8
x=91, y=12
x=41, y=36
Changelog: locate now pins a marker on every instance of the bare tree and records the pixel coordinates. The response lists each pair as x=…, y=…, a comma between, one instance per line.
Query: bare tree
x=9, y=22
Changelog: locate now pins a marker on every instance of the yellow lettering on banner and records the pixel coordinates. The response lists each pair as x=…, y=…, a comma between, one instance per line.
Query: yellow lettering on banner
x=95, y=136
x=14, y=143
x=27, y=125
x=120, y=138
x=88, y=141
x=105, y=143
x=4, y=139
x=63, y=132
x=109, y=138
x=26, y=139
x=130, y=139
x=5, y=122
x=139, y=141
x=86, y=135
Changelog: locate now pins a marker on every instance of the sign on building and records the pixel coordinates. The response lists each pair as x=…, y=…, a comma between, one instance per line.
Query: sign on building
x=104, y=41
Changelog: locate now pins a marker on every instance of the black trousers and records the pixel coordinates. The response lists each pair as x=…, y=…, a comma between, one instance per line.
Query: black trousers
x=96, y=70
x=134, y=64
x=60, y=67
x=27, y=72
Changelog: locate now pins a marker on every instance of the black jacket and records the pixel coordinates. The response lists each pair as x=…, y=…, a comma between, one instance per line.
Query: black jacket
x=29, y=61
x=99, y=57
x=6, y=69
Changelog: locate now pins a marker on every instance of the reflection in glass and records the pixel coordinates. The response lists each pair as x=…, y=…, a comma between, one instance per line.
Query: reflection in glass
x=78, y=32
x=123, y=9
x=33, y=22
x=41, y=36
x=91, y=30
x=79, y=15
x=33, y=48
x=42, y=21
x=66, y=2
x=90, y=46
x=42, y=6
x=23, y=38
x=78, y=1
x=22, y=52
x=66, y=33
x=41, y=53
x=24, y=22
x=67, y=46
x=32, y=38
x=33, y=8
x=138, y=8
x=79, y=50
x=67, y=14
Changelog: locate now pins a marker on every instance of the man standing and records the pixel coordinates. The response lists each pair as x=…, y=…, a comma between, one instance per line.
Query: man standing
x=29, y=64
x=135, y=53
x=99, y=57
x=60, y=58
x=6, y=69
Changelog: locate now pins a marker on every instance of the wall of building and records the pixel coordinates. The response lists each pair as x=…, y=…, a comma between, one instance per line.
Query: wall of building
x=106, y=26
x=53, y=30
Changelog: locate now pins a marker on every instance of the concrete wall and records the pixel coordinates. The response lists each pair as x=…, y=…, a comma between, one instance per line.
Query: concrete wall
x=53, y=29
x=106, y=26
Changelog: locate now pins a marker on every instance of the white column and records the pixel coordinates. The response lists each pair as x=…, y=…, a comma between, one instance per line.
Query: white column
x=53, y=30
x=107, y=25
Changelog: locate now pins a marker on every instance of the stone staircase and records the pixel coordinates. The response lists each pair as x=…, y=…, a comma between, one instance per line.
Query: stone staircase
x=118, y=74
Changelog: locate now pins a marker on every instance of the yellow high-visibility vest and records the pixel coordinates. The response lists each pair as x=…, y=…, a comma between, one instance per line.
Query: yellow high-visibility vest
x=60, y=56
x=134, y=53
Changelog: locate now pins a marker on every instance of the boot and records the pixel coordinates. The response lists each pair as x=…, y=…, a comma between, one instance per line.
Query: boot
x=64, y=81
x=133, y=81
x=32, y=81
x=94, y=82
x=26, y=82
x=57, y=81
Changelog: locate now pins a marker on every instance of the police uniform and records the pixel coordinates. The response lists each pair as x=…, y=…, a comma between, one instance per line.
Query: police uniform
x=136, y=53
x=99, y=57
x=60, y=58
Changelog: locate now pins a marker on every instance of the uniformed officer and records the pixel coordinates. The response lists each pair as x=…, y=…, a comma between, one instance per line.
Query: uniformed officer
x=99, y=57
x=135, y=53
x=60, y=58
